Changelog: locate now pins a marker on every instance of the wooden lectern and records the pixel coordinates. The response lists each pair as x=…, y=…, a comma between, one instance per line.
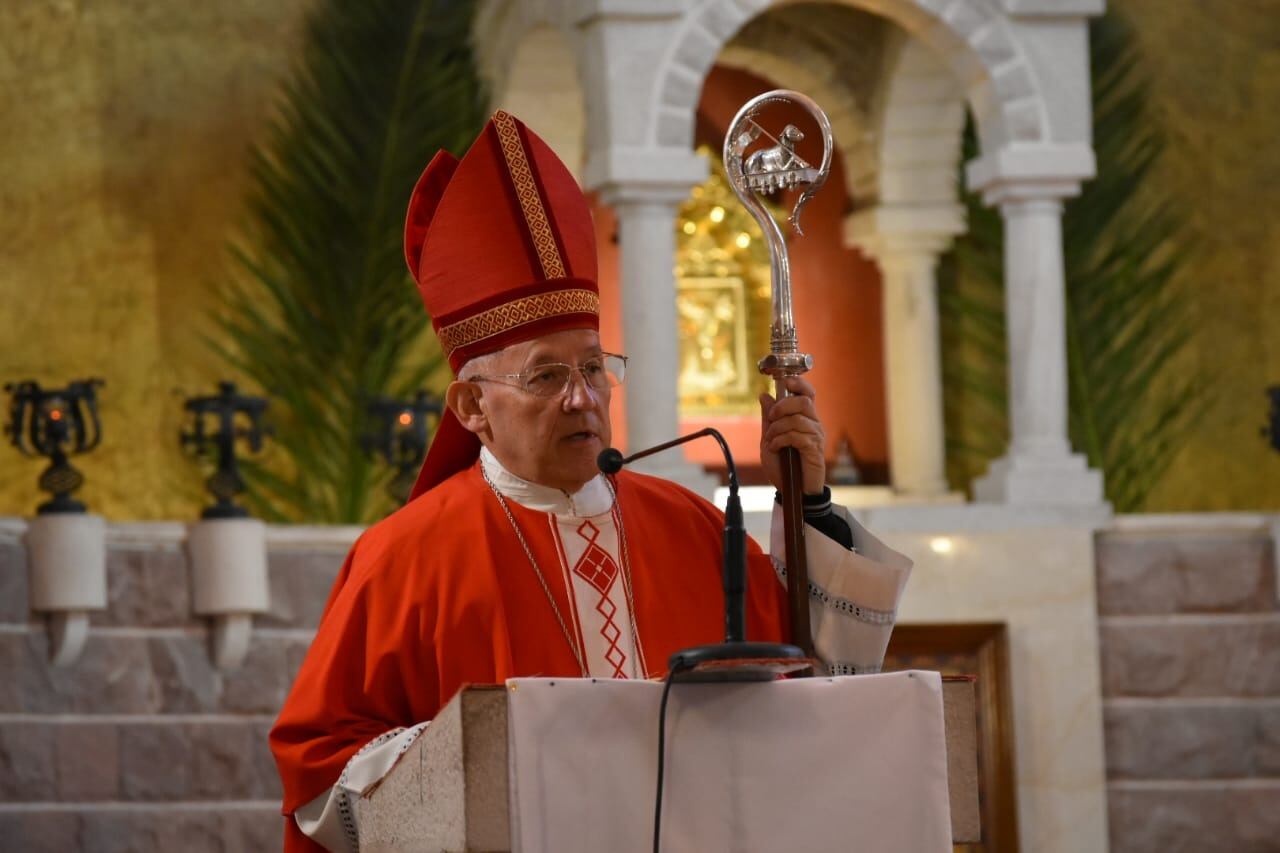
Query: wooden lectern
x=556, y=764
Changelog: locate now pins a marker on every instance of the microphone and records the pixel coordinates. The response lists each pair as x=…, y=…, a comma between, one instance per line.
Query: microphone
x=735, y=659
x=611, y=460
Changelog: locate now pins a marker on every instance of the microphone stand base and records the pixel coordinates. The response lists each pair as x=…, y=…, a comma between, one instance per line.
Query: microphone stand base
x=723, y=662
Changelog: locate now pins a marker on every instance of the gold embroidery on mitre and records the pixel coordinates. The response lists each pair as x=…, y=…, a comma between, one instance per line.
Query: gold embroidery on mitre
x=535, y=217
x=497, y=320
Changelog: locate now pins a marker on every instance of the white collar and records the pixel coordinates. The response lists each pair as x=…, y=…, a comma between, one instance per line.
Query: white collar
x=595, y=498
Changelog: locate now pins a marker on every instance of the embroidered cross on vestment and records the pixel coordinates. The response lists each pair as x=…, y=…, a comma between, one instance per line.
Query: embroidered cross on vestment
x=598, y=569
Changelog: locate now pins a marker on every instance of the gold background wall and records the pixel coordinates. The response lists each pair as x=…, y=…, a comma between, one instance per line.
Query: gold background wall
x=124, y=128
x=1216, y=74
x=124, y=131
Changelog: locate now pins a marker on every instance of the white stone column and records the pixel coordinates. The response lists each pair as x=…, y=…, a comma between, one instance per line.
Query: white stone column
x=906, y=242
x=647, y=247
x=640, y=160
x=1039, y=467
x=913, y=367
x=646, y=236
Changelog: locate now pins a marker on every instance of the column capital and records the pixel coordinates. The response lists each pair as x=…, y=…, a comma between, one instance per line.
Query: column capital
x=1022, y=172
x=888, y=230
x=586, y=12
x=1054, y=8
x=1029, y=203
x=656, y=175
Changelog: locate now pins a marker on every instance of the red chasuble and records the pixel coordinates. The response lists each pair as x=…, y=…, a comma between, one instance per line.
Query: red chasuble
x=441, y=594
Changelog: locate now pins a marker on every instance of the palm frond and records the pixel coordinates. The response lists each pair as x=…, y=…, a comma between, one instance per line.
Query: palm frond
x=318, y=310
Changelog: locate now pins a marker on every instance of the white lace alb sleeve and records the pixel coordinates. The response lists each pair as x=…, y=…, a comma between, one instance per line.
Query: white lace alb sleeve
x=330, y=819
x=853, y=594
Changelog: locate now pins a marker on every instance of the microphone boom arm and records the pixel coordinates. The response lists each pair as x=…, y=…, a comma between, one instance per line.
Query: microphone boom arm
x=734, y=570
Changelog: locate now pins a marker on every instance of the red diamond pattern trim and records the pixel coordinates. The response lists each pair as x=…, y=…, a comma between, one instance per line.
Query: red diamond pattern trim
x=597, y=568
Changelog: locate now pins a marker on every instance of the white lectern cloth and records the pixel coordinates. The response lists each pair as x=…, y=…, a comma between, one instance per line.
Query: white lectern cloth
x=815, y=764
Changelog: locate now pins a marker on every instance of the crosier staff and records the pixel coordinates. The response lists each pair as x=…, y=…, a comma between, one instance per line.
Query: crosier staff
x=767, y=170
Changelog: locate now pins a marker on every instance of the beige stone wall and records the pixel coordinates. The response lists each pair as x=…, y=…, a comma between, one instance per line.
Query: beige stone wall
x=124, y=130
x=1215, y=71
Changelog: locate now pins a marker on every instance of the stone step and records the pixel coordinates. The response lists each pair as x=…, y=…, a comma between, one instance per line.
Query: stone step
x=132, y=760
x=1208, y=817
x=151, y=586
x=147, y=671
x=1186, y=571
x=234, y=827
x=1207, y=655
x=1192, y=739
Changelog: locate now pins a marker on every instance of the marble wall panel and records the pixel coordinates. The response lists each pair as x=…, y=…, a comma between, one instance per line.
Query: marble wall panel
x=1037, y=576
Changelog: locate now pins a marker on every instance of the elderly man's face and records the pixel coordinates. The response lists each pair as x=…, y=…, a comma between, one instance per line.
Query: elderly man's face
x=553, y=441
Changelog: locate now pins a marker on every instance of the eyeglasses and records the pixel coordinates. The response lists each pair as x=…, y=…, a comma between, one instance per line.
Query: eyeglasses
x=551, y=380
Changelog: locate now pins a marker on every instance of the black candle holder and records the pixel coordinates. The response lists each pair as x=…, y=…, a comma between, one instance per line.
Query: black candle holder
x=215, y=429
x=1271, y=431
x=399, y=433
x=55, y=423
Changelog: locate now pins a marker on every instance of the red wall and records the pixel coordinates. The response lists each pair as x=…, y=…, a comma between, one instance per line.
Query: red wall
x=836, y=294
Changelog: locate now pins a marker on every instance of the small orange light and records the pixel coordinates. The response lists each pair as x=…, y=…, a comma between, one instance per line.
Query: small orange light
x=405, y=419
x=55, y=415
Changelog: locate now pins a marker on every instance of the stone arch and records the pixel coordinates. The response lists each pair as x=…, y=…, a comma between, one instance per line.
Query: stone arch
x=971, y=37
x=793, y=47
x=530, y=69
x=917, y=127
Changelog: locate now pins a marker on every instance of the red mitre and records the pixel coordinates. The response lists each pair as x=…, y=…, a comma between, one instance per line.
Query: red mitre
x=503, y=249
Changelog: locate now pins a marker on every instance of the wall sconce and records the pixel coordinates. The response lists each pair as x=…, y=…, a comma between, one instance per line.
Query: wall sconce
x=66, y=545
x=227, y=547
x=399, y=431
